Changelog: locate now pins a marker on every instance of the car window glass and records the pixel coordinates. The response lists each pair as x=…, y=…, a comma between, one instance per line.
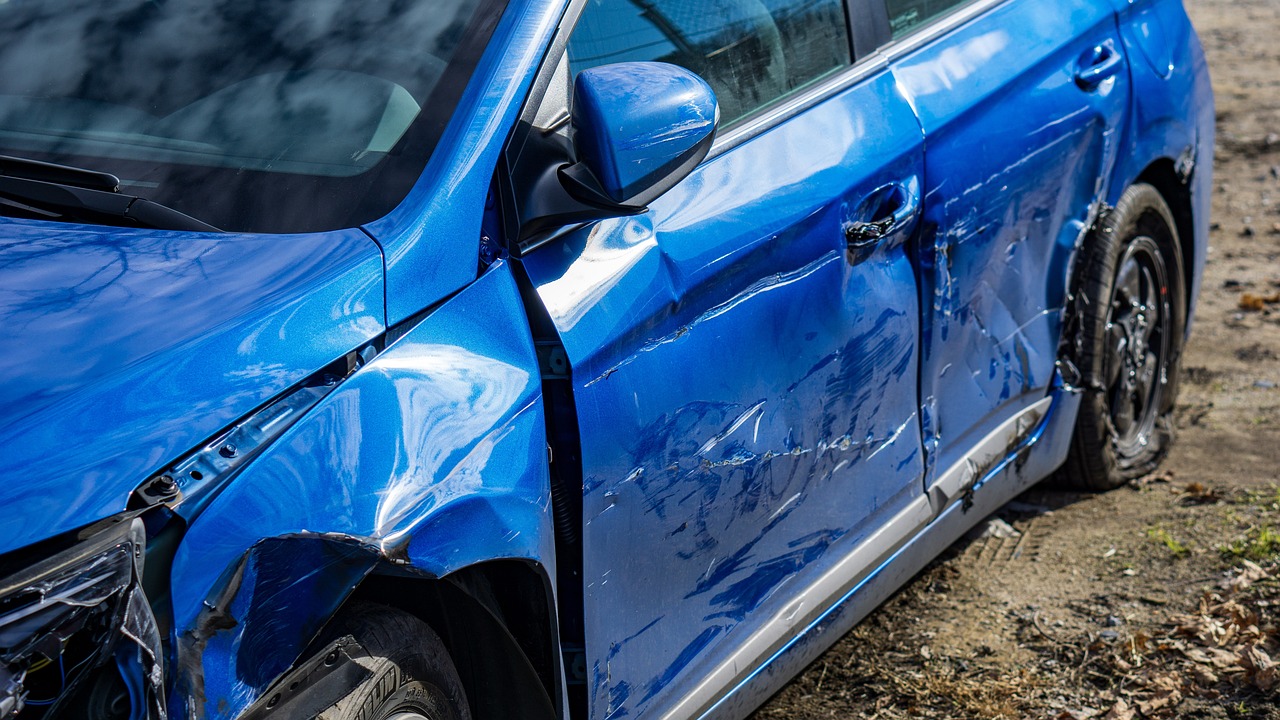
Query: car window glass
x=751, y=52
x=251, y=115
x=907, y=15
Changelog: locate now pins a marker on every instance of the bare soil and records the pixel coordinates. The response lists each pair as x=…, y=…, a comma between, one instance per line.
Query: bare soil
x=1160, y=599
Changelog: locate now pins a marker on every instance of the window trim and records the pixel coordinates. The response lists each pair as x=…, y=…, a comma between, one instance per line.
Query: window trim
x=932, y=29
x=773, y=115
x=867, y=61
x=862, y=47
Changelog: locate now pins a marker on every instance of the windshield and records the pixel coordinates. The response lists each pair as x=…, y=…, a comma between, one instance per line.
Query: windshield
x=251, y=115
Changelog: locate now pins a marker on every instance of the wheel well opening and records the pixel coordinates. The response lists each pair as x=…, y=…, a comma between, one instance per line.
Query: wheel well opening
x=496, y=621
x=1163, y=176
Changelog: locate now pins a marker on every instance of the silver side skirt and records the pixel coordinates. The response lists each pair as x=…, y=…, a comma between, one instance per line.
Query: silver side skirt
x=810, y=604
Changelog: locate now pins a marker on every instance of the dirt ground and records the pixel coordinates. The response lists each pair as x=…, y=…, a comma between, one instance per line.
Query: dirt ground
x=1160, y=599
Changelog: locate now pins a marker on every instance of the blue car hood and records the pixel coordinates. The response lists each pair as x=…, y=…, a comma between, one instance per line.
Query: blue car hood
x=121, y=349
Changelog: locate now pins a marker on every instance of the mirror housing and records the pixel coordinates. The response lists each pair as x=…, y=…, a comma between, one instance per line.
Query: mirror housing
x=638, y=129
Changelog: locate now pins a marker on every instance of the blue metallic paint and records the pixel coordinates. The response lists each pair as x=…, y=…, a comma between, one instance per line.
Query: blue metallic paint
x=746, y=388
x=432, y=457
x=430, y=240
x=1040, y=457
x=633, y=121
x=124, y=348
x=1171, y=116
x=745, y=391
x=1013, y=89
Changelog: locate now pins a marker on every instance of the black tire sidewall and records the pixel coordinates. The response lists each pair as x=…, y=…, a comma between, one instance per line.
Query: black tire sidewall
x=1141, y=211
x=409, y=668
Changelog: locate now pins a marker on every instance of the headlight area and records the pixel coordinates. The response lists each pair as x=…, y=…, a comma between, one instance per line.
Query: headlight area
x=77, y=637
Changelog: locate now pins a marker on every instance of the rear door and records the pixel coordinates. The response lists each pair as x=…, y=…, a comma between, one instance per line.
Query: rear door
x=745, y=384
x=1021, y=103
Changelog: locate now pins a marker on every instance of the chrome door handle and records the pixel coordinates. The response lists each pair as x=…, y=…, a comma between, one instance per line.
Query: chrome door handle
x=1098, y=65
x=897, y=205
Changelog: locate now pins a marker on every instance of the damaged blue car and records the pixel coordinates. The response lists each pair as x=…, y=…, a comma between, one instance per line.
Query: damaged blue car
x=556, y=358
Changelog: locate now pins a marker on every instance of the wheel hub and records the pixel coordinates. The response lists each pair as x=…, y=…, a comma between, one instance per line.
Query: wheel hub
x=1138, y=336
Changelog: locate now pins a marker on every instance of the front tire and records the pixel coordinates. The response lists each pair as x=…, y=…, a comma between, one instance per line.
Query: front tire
x=411, y=675
x=1132, y=315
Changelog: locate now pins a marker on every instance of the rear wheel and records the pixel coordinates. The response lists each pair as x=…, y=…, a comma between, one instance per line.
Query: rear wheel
x=1131, y=321
x=411, y=675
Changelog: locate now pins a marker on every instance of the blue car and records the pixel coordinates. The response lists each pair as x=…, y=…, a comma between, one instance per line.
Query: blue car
x=556, y=358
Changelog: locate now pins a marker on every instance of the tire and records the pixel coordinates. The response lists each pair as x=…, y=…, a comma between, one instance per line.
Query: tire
x=1131, y=313
x=412, y=676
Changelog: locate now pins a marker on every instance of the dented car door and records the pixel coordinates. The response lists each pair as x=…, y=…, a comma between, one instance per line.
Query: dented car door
x=744, y=372
x=1022, y=128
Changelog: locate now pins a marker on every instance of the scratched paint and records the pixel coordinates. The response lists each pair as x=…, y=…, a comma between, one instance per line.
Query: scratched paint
x=745, y=394
x=432, y=457
x=999, y=234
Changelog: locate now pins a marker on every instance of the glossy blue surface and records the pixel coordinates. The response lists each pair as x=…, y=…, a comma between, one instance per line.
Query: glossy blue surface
x=1047, y=451
x=1022, y=112
x=431, y=240
x=433, y=453
x=745, y=390
x=758, y=389
x=634, y=121
x=122, y=349
x=1171, y=116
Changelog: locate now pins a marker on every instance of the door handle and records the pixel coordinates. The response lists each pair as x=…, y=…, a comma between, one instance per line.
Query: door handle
x=1099, y=64
x=894, y=207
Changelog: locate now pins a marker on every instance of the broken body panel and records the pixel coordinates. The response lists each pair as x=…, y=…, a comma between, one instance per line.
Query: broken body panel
x=776, y=426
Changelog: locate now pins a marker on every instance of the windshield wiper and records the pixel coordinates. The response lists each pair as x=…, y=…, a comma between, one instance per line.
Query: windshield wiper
x=59, y=174
x=85, y=194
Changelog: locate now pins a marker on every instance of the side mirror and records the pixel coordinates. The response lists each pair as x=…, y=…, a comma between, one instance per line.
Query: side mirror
x=638, y=129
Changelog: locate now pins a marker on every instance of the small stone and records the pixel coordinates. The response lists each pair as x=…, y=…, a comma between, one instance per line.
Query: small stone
x=1113, y=621
x=1109, y=635
x=1264, y=384
x=999, y=529
x=1247, y=231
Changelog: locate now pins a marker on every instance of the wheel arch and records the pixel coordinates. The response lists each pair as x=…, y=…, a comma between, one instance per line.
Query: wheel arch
x=424, y=473
x=497, y=620
x=1163, y=175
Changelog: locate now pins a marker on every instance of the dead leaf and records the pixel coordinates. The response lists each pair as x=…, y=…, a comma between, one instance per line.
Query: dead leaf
x=1198, y=492
x=1120, y=711
x=1204, y=676
x=1249, y=574
x=1256, y=303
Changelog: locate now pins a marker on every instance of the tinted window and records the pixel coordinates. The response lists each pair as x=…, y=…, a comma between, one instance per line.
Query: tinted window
x=907, y=15
x=752, y=52
x=253, y=115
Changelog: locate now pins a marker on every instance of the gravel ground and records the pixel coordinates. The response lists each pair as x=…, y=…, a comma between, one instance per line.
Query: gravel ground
x=1156, y=600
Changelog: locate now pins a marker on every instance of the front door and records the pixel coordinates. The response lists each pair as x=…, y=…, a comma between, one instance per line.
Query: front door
x=745, y=383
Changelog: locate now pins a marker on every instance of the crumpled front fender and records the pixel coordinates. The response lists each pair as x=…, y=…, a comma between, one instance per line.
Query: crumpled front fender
x=431, y=457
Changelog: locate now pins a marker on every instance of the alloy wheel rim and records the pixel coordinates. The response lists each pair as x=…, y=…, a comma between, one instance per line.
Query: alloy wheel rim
x=1137, y=336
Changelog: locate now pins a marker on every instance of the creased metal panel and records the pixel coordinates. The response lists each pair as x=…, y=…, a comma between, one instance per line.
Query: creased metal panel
x=746, y=390
x=433, y=456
